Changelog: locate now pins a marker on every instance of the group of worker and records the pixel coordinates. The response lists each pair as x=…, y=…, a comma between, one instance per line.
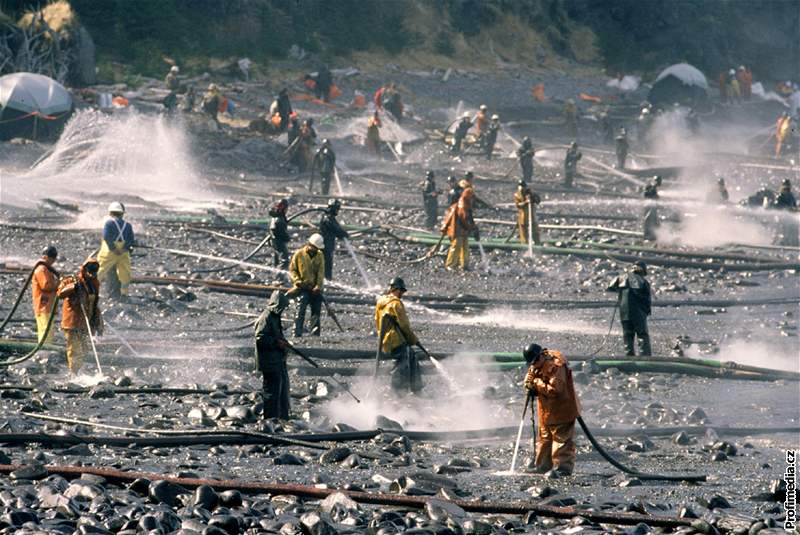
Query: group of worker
x=735, y=85
x=484, y=130
x=81, y=317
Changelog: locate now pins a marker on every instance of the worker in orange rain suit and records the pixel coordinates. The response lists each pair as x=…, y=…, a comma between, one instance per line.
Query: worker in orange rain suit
x=43, y=287
x=549, y=379
x=458, y=225
x=481, y=123
x=80, y=296
x=398, y=339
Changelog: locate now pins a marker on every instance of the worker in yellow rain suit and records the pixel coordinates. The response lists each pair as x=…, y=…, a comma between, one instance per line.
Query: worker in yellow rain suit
x=396, y=337
x=115, y=249
x=459, y=225
x=526, y=200
x=43, y=287
x=782, y=128
x=307, y=272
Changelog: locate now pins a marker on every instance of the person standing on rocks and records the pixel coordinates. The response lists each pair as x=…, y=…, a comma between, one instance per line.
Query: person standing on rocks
x=116, y=247
x=651, y=220
x=491, y=136
x=462, y=128
x=171, y=80
x=481, y=121
x=79, y=296
x=720, y=196
x=621, y=148
x=525, y=156
x=270, y=349
x=44, y=285
x=634, y=303
x=549, y=380
x=325, y=161
x=284, y=107
x=430, y=199
x=307, y=273
x=397, y=338
x=303, y=145
x=459, y=225
x=571, y=118
x=571, y=164
x=374, y=135
x=212, y=102
x=279, y=234
x=331, y=230
x=526, y=200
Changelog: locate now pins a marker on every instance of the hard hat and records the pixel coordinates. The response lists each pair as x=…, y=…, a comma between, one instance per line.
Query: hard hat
x=469, y=175
x=174, y=69
x=731, y=71
x=283, y=202
x=522, y=184
x=212, y=87
x=451, y=178
x=92, y=266
x=622, y=130
x=574, y=144
x=465, y=115
x=532, y=353
x=326, y=141
x=116, y=208
x=495, y=117
x=645, y=111
x=741, y=67
x=658, y=180
x=50, y=252
x=317, y=241
x=429, y=174
x=641, y=265
x=334, y=202
x=786, y=182
x=397, y=283
x=720, y=180
x=483, y=107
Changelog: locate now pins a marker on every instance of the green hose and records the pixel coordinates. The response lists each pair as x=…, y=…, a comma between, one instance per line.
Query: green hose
x=19, y=297
x=41, y=342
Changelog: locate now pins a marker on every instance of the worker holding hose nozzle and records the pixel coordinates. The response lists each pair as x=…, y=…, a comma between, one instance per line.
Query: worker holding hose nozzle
x=307, y=272
x=44, y=285
x=79, y=295
x=279, y=234
x=115, y=248
x=459, y=225
x=634, y=307
x=549, y=379
x=398, y=339
x=331, y=230
x=270, y=348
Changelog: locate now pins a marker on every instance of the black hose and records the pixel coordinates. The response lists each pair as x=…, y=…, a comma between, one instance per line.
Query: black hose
x=635, y=473
x=41, y=342
x=19, y=297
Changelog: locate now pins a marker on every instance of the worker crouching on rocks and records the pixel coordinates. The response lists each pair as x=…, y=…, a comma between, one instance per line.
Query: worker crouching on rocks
x=549, y=379
x=44, y=285
x=307, y=272
x=80, y=312
x=271, y=347
x=396, y=337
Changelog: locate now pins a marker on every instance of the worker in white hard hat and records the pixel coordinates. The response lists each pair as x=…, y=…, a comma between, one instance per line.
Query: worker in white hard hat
x=481, y=122
x=307, y=272
x=171, y=81
x=490, y=138
x=461, y=132
x=115, y=248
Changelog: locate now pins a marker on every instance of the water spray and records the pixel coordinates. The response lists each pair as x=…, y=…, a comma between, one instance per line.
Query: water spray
x=91, y=338
x=121, y=339
x=519, y=435
x=360, y=267
x=338, y=181
x=314, y=363
x=530, y=227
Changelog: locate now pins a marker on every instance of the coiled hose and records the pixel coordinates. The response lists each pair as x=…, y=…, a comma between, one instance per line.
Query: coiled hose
x=630, y=471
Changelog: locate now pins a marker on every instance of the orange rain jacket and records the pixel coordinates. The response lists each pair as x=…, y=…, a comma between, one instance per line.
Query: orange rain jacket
x=550, y=379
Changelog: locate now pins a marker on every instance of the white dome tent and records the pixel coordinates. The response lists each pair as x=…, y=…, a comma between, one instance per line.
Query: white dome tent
x=32, y=105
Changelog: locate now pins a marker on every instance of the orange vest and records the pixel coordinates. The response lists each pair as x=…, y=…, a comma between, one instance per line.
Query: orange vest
x=43, y=288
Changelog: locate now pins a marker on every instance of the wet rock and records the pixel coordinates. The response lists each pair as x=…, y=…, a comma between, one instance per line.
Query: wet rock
x=288, y=459
x=343, y=428
x=205, y=497
x=440, y=510
x=4, y=458
x=316, y=524
x=687, y=512
x=352, y=461
x=140, y=486
x=639, y=529
x=78, y=450
x=227, y=523
x=718, y=502
x=33, y=472
x=198, y=417
x=560, y=502
x=231, y=498
x=382, y=422
x=697, y=416
x=632, y=482
x=726, y=447
x=148, y=522
x=477, y=527
x=86, y=491
x=240, y=414
x=335, y=455
x=719, y=456
x=541, y=492
x=123, y=381
x=338, y=499
x=102, y=391
x=681, y=438
x=165, y=492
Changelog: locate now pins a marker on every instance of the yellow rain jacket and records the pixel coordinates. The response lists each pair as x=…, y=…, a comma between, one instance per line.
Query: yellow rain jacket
x=392, y=339
x=307, y=272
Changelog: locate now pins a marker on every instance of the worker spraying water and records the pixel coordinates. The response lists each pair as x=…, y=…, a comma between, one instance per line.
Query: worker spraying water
x=81, y=318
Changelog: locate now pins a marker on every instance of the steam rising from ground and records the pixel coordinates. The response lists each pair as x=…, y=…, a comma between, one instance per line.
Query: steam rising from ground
x=114, y=155
x=450, y=409
x=525, y=320
x=761, y=353
x=712, y=228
